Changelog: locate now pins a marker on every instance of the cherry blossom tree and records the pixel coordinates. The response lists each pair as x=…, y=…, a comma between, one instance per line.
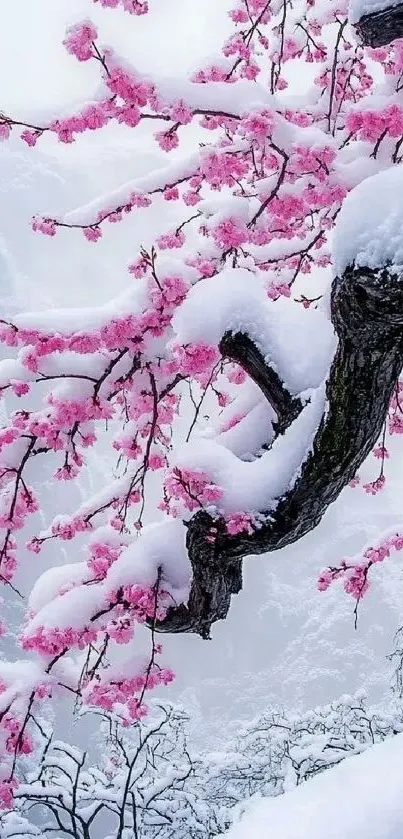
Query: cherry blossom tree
x=239, y=310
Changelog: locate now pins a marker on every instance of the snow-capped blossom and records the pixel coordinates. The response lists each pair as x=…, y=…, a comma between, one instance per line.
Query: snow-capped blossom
x=196, y=358
x=240, y=523
x=277, y=290
x=127, y=693
x=223, y=169
x=230, y=233
x=171, y=193
x=120, y=629
x=192, y=488
x=380, y=451
x=44, y=225
x=102, y=556
x=171, y=292
x=354, y=572
x=134, y=7
x=356, y=582
x=20, y=388
x=191, y=198
x=51, y=641
x=180, y=112
x=156, y=461
x=258, y=126
x=79, y=40
x=169, y=241
x=167, y=140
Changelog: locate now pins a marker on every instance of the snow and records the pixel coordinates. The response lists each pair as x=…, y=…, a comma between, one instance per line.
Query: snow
x=280, y=330
x=248, y=435
x=160, y=545
x=155, y=181
x=51, y=581
x=74, y=608
x=67, y=321
x=20, y=678
x=361, y=797
x=369, y=228
x=256, y=486
x=359, y=8
x=238, y=100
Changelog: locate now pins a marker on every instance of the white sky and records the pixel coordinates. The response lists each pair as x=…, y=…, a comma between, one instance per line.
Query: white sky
x=36, y=70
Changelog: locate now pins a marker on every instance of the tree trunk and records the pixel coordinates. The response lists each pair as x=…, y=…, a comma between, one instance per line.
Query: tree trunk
x=367, y=314
x=381, y=28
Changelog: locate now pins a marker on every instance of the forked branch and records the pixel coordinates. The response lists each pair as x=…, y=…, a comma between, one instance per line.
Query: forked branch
x=367, y=314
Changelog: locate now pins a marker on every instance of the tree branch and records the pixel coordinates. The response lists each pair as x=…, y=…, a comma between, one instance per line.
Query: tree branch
x=381, y=28
x=240, y=348
x=367, y=314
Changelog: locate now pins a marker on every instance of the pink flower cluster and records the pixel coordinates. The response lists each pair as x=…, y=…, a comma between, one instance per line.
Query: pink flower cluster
x=102, y=556
x=79, y=40
x=127, y=693
x=189, y=489
x=7, y=791
x=51, y=641
x=134, y=7
x=371, y=124
x=240, y=523
x=196, y=359
x=355, y=574
x=18, y=740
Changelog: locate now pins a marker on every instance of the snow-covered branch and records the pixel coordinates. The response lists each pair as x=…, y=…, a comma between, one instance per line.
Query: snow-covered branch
x=378, y=22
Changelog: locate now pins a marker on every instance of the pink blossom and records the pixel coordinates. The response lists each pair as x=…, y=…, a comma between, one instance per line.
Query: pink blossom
x=92, y=233
x=79, y=38
x=5, y=131
x=167, y=140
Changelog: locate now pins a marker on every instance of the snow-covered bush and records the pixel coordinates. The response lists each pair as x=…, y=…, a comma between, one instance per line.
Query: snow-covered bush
x=150, y=783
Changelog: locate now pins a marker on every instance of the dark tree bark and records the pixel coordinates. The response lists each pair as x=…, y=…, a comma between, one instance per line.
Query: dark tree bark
x=367, y=314
x=381, y=28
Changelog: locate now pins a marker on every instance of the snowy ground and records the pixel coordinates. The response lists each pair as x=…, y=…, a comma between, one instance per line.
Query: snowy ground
x=360, y=797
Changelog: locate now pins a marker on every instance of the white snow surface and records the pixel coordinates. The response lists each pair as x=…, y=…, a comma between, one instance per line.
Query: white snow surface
x=257, y=485
x=160, y=545
x=361, y=798
x=359, y=8
x=298, y=343
x=369, y=227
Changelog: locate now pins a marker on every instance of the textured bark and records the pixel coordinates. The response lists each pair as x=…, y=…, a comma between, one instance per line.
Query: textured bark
x=367, y=314
x=381, y=28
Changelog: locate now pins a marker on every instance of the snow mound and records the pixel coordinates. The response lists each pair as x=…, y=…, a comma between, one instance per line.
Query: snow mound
x=361, y=797
x=370, y=225
x=297, y=343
